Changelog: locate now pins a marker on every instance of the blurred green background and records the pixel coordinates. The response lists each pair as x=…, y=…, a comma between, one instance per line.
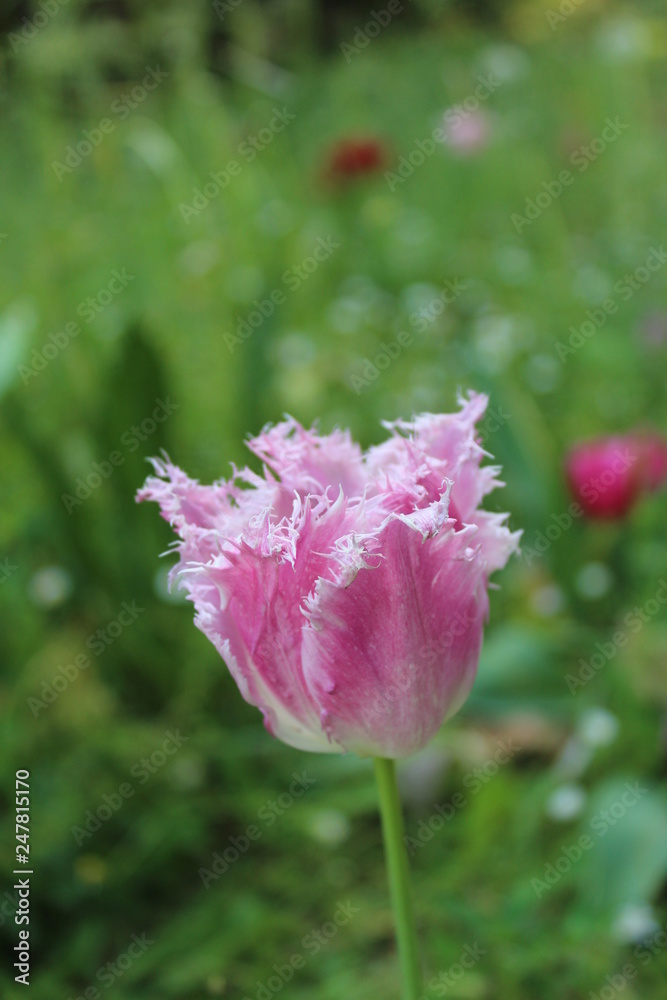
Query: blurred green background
x=164, y=332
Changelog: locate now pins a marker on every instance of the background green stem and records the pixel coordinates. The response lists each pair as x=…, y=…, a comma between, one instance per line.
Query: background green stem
x=399, y=877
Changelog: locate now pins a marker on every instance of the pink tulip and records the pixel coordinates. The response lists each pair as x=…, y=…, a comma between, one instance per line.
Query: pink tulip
x=607, y=476
x=346, y=591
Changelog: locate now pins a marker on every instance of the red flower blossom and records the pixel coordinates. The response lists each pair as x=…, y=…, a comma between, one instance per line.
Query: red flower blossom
x=356, y=157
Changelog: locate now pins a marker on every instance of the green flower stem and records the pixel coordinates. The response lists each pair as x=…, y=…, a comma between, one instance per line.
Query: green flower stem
x=399, y=877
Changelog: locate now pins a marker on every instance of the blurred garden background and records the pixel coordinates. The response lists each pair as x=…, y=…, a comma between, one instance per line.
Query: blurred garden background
x=215, y=213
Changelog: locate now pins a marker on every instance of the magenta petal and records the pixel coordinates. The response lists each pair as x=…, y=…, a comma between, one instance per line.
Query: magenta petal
x=605, y=476
x=254, y=612
x=347, y=592
x=395, y=652
x=307, y=461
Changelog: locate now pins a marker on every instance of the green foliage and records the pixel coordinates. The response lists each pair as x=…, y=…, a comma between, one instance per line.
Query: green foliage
x=169, y=334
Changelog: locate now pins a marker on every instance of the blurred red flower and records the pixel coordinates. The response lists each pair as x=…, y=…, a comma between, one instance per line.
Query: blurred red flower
x=356, y=157
x=608, y=475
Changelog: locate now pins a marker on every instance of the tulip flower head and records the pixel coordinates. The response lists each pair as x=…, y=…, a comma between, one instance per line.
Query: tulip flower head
x=346, y=591
x=607, y=476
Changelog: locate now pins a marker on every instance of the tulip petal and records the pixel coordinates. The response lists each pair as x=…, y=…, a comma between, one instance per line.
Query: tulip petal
x=305, y=460
x=347, y=592
x=383, y=655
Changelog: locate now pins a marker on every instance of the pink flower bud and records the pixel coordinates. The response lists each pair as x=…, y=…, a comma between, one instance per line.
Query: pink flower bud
x=607, y=476
x=347, y=591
